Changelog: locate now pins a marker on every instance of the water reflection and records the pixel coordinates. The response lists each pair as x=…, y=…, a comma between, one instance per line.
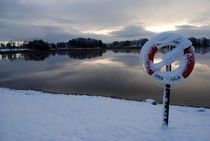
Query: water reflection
x=202, y=50
x=115, y=73
x=42, y=55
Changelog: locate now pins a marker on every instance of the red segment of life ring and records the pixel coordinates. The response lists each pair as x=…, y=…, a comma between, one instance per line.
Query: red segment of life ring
x=188, y=52
x=150, y=59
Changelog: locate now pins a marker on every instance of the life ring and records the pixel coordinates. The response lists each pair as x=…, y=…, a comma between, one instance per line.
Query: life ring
x=182, y=47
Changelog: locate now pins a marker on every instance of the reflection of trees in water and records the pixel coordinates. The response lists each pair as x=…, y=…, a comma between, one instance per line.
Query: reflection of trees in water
x=85, y=54
x=76, y=54
x=126, y=50
x=36, y=56
x=202, y=49
x=10, y=56
x=42, y=55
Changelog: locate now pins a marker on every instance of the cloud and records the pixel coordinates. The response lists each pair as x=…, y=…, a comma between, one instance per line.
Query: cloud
x=11, y=31
x=194, y=31
x=132, y=32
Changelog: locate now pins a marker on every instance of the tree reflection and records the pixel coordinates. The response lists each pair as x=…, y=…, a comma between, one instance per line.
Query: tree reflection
x=75, y=53
x=86, y=54
x=9, y=56
x=126, y=50
x=202, y=49
x=36, y=55
x=42, y=55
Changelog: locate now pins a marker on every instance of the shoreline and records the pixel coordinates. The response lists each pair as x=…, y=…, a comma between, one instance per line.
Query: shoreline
x=19, y=50
x=112, y=97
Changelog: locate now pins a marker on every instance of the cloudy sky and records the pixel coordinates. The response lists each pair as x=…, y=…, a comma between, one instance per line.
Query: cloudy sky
x=109, y=20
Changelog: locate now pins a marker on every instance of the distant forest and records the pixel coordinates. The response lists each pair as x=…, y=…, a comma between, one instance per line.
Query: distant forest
x=42, y=45
x=87, y=43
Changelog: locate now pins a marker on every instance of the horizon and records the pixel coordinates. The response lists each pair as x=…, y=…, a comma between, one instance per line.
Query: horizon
x=22, y=42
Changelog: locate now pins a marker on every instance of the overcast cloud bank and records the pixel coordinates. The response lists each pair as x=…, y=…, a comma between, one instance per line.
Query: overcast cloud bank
x=61, y=20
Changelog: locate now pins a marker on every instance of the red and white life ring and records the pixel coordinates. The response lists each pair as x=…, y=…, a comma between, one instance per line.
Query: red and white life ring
x=183, y=47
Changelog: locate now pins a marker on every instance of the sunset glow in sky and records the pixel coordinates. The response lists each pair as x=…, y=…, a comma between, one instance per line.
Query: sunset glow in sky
x=161, y=28
x=109, y=20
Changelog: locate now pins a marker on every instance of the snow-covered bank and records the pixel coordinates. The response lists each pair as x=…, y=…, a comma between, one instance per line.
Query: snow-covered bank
x=35, y=116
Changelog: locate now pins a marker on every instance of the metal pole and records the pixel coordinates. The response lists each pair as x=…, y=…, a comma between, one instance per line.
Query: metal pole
x=166, y=97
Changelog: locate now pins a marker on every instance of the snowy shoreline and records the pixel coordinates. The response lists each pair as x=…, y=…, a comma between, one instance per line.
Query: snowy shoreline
x=103, y=96
x=35, y=116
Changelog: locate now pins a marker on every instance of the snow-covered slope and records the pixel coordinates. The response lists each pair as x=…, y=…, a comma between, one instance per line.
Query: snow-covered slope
x=36, y=116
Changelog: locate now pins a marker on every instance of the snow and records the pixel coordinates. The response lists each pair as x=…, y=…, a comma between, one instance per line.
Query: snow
x=27, y=115
x=163, y=40
x=151, y=101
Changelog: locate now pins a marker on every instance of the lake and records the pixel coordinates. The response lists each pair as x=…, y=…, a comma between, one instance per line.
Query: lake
x=114, y=73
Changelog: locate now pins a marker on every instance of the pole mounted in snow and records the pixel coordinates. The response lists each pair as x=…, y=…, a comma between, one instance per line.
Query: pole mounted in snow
x=181, y=47
x=166, y=96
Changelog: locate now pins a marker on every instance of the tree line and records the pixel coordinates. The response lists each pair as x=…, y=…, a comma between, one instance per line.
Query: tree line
x=43, y=45
x=88, y=43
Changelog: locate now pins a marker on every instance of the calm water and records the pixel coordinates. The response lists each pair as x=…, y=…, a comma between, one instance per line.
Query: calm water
x=115, y=73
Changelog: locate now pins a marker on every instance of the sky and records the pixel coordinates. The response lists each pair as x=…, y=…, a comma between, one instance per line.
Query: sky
x=108, y=20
